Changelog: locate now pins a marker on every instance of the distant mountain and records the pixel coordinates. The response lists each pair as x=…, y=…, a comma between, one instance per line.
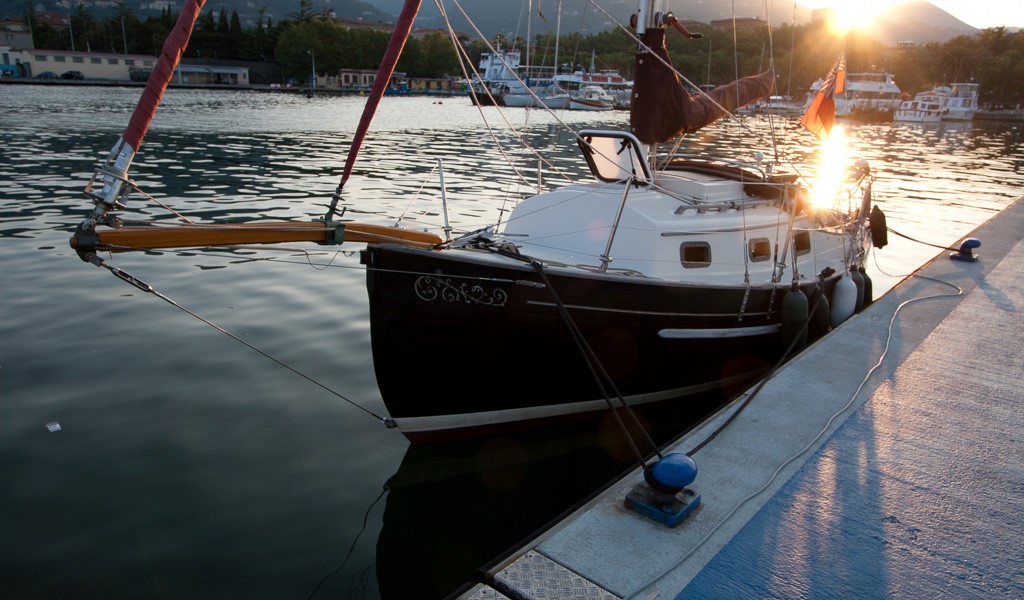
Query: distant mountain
x=509, y=17
x=919, y=21
x=248, y=10
x=915, y=20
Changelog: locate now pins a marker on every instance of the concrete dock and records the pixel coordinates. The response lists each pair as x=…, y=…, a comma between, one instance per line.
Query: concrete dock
x=886, y=460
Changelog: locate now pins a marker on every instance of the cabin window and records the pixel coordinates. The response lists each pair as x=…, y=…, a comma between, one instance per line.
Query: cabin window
x=129, y=61
x=695, y=255
x=41, y=58
x=760, y=249
x=111, y=61
x=78, y=59
x=802, y=242
x=96, y=61
x=60, y=59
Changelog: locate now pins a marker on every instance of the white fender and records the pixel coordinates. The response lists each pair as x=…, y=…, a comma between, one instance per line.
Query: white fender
x=844, y=299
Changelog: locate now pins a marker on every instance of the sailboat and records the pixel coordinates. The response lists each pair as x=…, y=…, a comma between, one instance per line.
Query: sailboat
x=962, y=103
x=591, y=97
x=660, y=277
x=869, y=97
x=546, y=90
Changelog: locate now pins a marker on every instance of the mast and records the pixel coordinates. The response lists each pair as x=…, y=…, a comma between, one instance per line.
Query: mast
x=387, y=67
x=529, y=18
x=558, y=34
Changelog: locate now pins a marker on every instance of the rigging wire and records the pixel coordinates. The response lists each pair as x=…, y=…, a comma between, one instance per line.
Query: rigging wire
x=464, y=58
x=419, y=191
x=735, y=51
x=597, y=369
x=810, y=444
x=463, y=61
x=771, y=62
x=145, y=287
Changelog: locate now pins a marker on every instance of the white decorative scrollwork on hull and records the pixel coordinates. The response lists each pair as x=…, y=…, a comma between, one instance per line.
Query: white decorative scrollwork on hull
x=429, y=288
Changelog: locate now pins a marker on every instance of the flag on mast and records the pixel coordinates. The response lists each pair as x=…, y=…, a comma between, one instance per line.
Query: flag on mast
x=821, y=114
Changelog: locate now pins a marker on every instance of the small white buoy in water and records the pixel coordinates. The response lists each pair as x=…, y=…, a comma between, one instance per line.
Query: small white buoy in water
x=844, y=299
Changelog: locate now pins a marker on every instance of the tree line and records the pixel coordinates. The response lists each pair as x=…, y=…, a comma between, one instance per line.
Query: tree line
x=800, y=54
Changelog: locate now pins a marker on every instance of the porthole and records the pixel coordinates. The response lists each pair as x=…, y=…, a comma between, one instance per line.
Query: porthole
x=695, y=255
x=802, y=242
x=759, y=249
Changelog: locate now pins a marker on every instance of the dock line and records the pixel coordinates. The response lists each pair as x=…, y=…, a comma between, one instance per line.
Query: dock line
x=810, y=444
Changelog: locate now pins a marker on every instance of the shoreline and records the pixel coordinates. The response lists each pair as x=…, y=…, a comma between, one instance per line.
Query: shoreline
x=224, y=87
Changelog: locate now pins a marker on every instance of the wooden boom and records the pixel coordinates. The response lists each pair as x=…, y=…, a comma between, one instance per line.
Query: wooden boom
x=275, y=232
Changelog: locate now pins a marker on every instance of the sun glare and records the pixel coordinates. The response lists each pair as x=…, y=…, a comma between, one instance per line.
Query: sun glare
x=832, y=170
x=859, y=15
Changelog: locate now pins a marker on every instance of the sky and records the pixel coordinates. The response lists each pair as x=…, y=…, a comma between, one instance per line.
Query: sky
x=976, y=13
x=985, y=13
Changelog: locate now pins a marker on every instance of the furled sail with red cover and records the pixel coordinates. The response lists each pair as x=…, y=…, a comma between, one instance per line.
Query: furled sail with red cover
x=399, y=35
x=662, y=109
x=114, y=174
x=170, y=55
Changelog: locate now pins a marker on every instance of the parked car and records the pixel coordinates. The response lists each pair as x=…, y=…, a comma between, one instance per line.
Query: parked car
x=46, y=75
x=72, y=75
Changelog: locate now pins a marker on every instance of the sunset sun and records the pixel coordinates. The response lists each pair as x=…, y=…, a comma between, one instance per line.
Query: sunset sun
x=848, y=16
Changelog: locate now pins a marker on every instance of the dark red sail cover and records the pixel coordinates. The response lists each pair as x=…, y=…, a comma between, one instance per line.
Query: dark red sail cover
x=174, y=47
x=662, y=109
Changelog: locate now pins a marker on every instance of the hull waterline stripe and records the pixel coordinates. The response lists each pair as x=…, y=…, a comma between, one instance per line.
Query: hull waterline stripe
x=497, y=417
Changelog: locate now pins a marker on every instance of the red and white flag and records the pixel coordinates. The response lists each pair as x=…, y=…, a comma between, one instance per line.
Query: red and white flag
x=821, y=114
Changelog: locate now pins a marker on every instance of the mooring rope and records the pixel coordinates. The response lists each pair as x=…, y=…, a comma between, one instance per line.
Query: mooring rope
x=597, y=369
x=907, y=237
x=809, y=445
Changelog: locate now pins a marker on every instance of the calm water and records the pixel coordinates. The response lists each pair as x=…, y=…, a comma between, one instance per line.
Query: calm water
x=187, y=465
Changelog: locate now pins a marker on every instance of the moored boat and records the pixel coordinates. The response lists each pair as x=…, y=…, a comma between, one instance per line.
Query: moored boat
x=925, y=107
x=775, y=105
x=591, y=97
x=612, y=82
x=495, y=76
x=962, y=103
x=661, y=276
x=548, y=95
x=868, y=97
